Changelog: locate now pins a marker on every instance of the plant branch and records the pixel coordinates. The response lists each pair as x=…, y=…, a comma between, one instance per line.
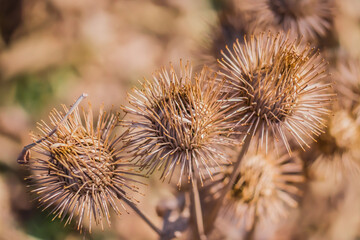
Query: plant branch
x=249, y=235
x=197, y=208
x=24, y=156
x=213, y=215
x=142, y=215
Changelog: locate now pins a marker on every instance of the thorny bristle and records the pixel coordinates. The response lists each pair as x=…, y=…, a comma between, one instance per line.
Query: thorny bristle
x=267, y=185
x=178, y=123
x=335, y=155
x=79, y=171
x=307, y=18
x=276, y=89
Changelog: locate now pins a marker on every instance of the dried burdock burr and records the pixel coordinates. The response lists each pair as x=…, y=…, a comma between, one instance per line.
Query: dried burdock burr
x=178, y=126
x=177, y=122
x=335, y=155
x=266, y=188
x=267, y=185
x=308, y=18
x=277, y=89
x=76, y=167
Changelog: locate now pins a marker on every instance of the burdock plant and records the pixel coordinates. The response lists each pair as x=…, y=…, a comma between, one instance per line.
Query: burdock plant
x=181, y=124
x=277, y=90
x=77, y=168
x=267, y=185
x=265, y=189
x=336, y=154
x=178, y=123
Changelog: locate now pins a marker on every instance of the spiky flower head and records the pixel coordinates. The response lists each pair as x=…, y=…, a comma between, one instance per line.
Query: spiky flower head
x=267, y=186
x=78, y=170
x=277, y=88
x=308, y=18
x=178, y=123
x=335, y=155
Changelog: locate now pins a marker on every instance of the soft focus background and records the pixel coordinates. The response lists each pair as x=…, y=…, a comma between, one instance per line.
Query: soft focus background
x=52, y=51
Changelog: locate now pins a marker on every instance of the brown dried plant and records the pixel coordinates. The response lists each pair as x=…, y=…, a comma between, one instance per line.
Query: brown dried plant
x=277, y=89
x=265, y=188
x=178, y=123
x=308, y=18
x=77, y=169
x=335, y=156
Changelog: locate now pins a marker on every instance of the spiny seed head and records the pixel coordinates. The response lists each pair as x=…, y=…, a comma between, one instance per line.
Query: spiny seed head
x=78, y=171
x=307, y=18
x=335, y=155
x=266, y=187
x=276, y=89
x=178, y=123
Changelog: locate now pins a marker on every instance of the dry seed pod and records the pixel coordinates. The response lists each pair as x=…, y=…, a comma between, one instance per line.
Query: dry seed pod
x=308, y=18
x=335, y=155
x=277, y=89
x=178, y=123
x=267, y=185
x=78, y=171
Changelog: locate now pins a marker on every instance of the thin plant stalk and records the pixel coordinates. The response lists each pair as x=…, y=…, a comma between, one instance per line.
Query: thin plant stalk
x=211, y=220
x=236, y=168
x=198, y=211
x=142, y=215
x=249, y=235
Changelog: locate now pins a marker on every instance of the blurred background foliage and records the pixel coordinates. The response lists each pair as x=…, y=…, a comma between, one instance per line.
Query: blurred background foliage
x=52, y=51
